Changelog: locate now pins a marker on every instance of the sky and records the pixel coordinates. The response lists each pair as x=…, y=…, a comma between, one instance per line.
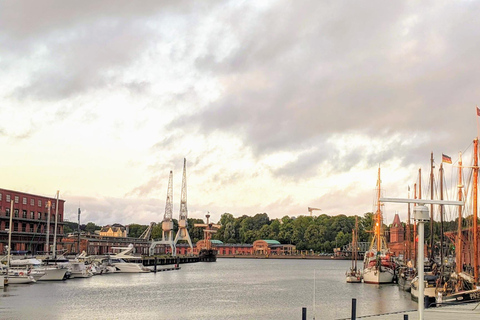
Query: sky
x=276, y=105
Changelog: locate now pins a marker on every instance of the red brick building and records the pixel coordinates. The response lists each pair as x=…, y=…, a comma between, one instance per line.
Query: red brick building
x=29, y=220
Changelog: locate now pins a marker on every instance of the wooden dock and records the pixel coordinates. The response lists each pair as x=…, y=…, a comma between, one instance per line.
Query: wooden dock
x=452, y=312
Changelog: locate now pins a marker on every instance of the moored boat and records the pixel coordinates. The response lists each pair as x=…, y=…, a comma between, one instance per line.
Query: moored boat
x=207, y=253
x=378, y=265
x=353, y=275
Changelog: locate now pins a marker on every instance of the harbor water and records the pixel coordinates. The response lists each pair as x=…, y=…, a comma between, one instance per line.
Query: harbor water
x=226, y=289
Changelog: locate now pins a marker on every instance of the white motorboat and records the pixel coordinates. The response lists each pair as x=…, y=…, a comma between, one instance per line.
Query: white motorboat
x=126, y=262
x=41, y=272
x=79, y=270
x=18, y=276
x=130, y=267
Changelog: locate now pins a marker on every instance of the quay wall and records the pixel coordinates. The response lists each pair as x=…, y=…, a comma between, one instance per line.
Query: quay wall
x=232, y=256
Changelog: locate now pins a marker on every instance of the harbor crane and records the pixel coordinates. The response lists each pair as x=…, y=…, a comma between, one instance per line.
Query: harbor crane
x=208, y=230
x=182, y=233
x=167, y=223
x=310, y=210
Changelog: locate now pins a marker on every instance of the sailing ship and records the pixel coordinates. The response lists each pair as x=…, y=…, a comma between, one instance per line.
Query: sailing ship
x=353, y=275
x=378, y=265
x=207, y=253
x=460, y=283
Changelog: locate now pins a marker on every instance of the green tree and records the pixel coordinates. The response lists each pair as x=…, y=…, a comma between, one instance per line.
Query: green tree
x=136, y=230
x=91, y=227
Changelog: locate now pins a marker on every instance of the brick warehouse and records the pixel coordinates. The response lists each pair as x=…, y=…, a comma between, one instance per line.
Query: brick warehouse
x=29, y=220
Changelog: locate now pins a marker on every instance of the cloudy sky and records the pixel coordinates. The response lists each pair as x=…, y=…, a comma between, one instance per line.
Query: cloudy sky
x=276, y=105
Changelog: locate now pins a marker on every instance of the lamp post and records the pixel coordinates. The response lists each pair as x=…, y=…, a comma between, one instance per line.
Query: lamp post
x=421, y=215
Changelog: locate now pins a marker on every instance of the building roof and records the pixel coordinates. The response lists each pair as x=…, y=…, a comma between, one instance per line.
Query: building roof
x=272, y=241
x=396, y=221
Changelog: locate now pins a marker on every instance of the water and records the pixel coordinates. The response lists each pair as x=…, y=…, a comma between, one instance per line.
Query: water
x=226, y=289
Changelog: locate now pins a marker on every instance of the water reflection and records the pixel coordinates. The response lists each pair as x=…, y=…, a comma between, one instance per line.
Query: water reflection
x=227, y=289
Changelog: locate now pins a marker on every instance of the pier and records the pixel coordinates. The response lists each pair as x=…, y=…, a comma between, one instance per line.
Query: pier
x=150, y=261
x=446, y=312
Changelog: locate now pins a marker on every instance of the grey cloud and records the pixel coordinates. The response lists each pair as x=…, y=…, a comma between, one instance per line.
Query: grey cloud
x=302, y=72
x=108, y=210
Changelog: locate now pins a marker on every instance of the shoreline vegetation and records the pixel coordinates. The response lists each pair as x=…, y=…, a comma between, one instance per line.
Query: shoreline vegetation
x=320, y=234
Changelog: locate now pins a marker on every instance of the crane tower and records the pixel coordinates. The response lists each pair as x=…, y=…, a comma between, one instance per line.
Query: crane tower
x=167, y=223
x=310, y=210
x=182, y=233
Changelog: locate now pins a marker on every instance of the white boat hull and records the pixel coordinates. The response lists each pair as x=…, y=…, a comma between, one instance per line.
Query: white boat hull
x=20, y=279
x=375, y=276
x=127, y=267
x=429, y=291
x=353, y=279
x=53, y=274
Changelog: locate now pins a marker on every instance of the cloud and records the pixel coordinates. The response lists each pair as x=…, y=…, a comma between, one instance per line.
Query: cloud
x=298, y=75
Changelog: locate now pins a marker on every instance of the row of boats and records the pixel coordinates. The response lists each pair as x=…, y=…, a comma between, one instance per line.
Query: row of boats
x=27, y=270
x=444, y=282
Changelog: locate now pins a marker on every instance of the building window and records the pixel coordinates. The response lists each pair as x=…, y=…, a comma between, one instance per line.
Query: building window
x=24, y=227
x=16, y=199
x=24, y=214
x=7, y=212
x=7, y=225
x=24, y=200
x=31, y=227
x=39, y=216
x=8, y=198
x=32, y=215
x=0, y=197
x=45, y=216
x=39, y=203
x=15, y=213
x=53, y=205
x=32, y=202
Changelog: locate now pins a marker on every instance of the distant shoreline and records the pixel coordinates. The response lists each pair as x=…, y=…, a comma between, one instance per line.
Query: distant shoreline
x=299, y=257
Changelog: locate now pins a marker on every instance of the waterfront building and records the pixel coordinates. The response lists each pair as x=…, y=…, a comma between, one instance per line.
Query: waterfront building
x=95, y=244
x=29, y=224
x=115, y=230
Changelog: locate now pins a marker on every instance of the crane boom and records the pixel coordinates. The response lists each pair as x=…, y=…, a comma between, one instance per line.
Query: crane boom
x=310, y=210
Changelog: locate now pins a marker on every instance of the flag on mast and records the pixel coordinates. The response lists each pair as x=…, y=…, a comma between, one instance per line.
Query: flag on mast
x=446, y=158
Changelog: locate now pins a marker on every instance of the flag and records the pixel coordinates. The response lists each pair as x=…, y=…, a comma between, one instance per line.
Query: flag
x=446, y=158
x=478, y=111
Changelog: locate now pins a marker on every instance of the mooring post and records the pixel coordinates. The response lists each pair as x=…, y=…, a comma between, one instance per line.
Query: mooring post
x=155, y=265
x=354, y=309
x=304, y=313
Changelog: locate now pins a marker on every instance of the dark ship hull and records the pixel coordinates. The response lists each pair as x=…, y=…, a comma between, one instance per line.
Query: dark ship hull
x=207, y=255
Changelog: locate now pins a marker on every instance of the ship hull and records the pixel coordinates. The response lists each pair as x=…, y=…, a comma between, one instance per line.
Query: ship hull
x=207, y=255
x=375, y=276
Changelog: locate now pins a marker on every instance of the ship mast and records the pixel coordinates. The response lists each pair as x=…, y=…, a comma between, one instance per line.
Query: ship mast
x=431, y=206
x=355, y=244
x=441, y=214
x=458, y=245
x=407, y=253
x=475, y=215
x=378, y=225
x=414, y=227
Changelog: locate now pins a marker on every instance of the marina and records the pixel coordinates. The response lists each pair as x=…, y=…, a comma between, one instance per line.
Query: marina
x=226, y=289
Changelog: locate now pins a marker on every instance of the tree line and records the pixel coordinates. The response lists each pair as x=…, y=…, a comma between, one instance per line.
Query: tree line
x=320, y=233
